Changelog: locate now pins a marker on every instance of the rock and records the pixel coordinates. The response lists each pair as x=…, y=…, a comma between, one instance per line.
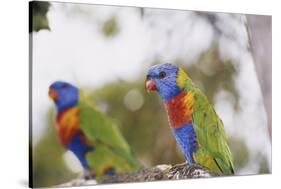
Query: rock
x=162, y=172
x=159, y=172
x=79, y=182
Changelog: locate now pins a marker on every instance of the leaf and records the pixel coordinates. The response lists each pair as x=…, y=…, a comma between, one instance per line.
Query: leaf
x=38, y=16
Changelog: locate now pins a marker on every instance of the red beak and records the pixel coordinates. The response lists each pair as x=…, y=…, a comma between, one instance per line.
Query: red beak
x=150, y=85
x=52, y=93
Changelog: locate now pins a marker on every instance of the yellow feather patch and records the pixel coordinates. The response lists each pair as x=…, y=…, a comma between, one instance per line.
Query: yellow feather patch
x=204, y=158
x=181, y=77
x=188, y=101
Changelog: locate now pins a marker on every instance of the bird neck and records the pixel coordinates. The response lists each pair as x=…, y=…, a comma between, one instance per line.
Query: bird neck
x=67, y=123
x=183, y=81
x=179, y=109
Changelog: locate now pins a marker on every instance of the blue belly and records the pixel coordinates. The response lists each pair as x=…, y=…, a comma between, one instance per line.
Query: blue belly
x=79, y=148
x=186, y=139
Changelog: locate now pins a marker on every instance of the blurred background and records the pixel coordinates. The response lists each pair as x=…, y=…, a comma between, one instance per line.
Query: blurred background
x=106, y=51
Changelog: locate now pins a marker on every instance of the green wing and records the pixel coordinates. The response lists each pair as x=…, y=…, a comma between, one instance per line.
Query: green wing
x=213, y=151
x=110, y=148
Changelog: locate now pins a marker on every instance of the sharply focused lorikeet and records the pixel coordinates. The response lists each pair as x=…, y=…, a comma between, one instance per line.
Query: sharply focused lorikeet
x=195, y=124
x=89, y=134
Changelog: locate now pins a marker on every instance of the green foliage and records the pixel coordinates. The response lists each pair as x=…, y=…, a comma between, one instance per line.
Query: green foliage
x=213, y=74
x=48, y=164
x=39, y=12
x=110, y=27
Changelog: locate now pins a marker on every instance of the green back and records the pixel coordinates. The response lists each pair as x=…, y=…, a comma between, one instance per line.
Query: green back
x=213, y=151
x=211, y=135
x=110, y=148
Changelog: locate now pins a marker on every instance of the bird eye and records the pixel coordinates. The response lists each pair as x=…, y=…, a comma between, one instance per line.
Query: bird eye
x=162, y=74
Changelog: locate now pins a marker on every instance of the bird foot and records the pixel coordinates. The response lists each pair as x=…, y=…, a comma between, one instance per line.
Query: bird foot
x=191, y=168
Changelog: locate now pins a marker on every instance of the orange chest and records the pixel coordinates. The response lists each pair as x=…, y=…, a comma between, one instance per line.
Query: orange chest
x=179, y=109
x=67, y=124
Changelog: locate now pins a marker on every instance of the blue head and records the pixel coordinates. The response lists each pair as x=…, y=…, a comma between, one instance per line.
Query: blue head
x=163, y=79
x=64, y=94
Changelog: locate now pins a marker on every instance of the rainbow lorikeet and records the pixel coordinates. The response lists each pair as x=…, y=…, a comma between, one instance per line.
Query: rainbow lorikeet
x=89, y=134
x=195, y=124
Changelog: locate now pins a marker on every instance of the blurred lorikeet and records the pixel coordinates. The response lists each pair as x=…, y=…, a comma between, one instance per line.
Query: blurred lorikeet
x=89, y=134
x=195, y=124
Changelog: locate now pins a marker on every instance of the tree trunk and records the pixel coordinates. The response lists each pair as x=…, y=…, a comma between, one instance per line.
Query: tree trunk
x=260, y=36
